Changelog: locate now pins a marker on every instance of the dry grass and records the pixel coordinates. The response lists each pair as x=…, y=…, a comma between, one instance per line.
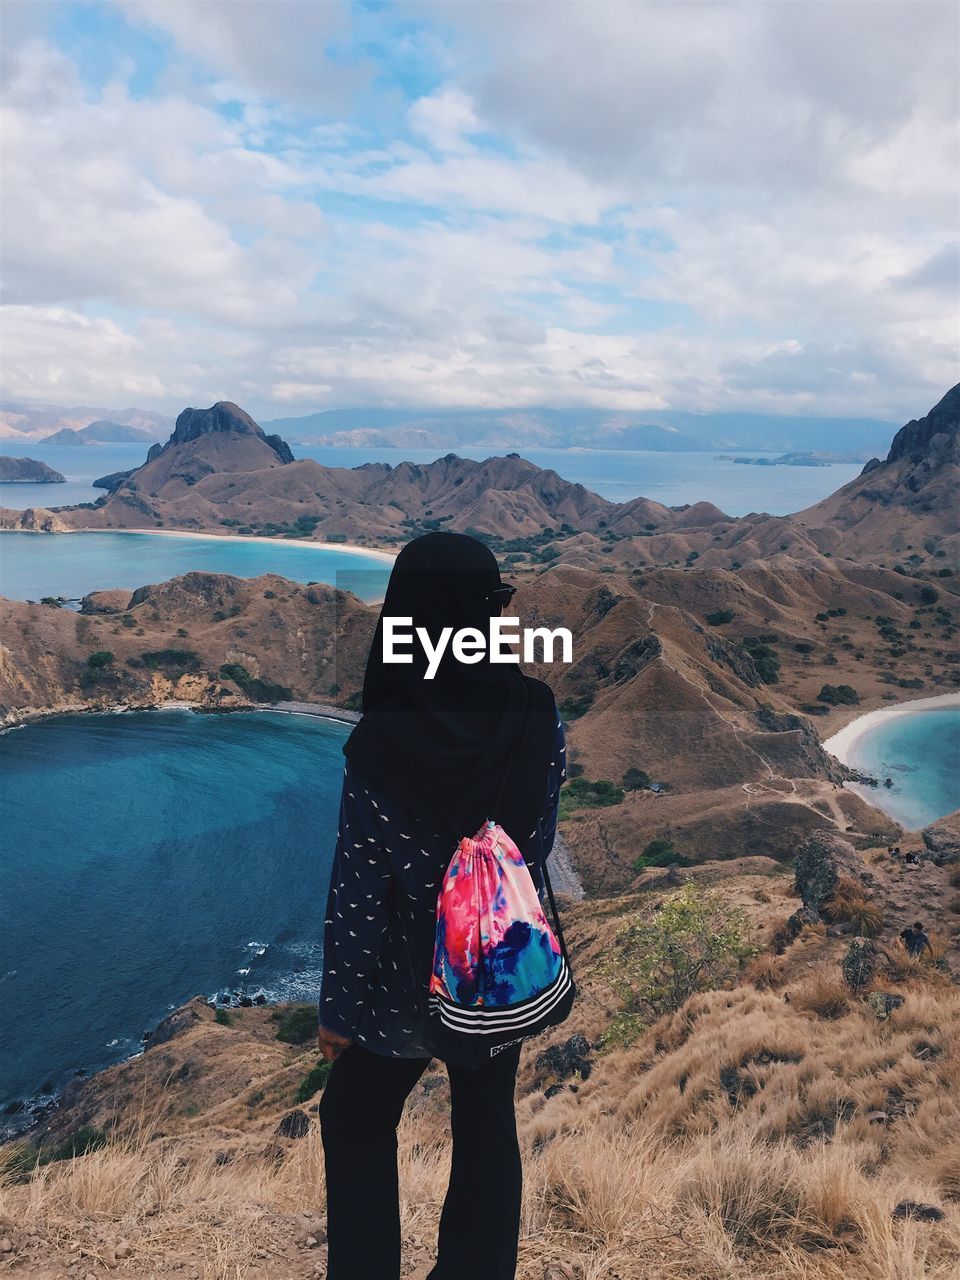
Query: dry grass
x=823, y=994
x=738, y=1138
x=849, y=903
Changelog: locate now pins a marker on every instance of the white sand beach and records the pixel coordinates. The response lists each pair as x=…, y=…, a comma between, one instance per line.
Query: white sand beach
x=351, y=548
x=842, y=743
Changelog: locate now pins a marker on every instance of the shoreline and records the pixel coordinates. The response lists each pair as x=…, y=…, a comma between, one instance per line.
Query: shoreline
x=350, y=548
x=843, y=743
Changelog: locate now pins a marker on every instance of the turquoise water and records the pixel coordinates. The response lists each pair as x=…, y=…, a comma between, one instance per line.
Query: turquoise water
x=670, y=478
x=921, y=754
x=33, y=565
x=150, y=857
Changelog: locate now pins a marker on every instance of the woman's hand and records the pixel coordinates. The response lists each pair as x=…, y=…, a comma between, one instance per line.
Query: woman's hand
x=331, y=1044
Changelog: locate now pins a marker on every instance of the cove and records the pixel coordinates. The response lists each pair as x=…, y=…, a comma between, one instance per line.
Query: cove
x=149, y=857
x=916, y=746
x=33, y=565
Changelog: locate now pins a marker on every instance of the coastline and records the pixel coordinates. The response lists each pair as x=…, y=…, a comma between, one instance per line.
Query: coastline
x=351, y=548
x=842, y=743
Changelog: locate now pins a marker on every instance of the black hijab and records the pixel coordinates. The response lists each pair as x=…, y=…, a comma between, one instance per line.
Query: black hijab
x=441, y=748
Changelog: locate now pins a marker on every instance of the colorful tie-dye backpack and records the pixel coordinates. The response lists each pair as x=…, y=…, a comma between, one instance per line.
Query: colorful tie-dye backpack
x=500, y=972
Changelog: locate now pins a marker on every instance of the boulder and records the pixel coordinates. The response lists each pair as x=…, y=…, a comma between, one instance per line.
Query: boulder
x=942, y=838
x=564, y=1060
x=821, y=861
x=919, y=1212
x=295, y=1124
x=860, y=963
x=883, y=1003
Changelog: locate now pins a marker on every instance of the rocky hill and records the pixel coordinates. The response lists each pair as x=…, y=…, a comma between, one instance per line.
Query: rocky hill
x=27, y=471
x=718, y=685
x=905, y=504
x=793, y=1112
x=219, y=471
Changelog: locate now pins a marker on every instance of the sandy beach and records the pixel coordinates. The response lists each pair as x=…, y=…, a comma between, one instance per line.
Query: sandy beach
x=352, y=548
x=842, y=743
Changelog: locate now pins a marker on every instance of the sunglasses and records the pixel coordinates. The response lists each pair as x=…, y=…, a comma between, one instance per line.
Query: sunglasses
x=503, y=594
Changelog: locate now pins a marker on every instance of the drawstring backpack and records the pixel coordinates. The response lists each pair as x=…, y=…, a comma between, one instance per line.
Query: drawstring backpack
x=500, y=972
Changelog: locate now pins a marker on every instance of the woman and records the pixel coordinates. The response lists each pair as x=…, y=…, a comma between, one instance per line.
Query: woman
x=424, y=766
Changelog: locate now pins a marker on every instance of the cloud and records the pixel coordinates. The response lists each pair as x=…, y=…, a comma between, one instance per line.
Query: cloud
x=308, y=205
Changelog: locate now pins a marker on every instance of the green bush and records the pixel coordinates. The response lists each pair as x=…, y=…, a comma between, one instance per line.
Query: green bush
x=89, y=1138
x=579, y=793
x=838, y=694
x=720, y=616
x=764, y=658
x=223, y=1018
x=636, y=779
x=660, y=852
x=313, y=1081
x=156, y=658
x=694, y=942
x=257, y=690
x=298, y=1025
x=574, y=708
x=102, y=658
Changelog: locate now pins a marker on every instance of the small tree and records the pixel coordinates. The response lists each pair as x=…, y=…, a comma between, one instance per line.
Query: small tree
x=695, y=942
x=636, y=779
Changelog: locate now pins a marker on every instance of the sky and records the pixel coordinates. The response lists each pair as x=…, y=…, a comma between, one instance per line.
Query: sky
x=307, y=205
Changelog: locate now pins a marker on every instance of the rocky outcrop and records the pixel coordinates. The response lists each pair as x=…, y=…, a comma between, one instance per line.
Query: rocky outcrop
x=115, y=600
x=942, y=838
x=114, y=480
x=936, y=435
x=821, y=861
x=223, y=416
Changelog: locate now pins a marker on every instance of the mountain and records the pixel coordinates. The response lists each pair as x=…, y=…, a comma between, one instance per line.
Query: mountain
x=661, y=430
x=101, y=432
x=220, y=470
x=27, y=471
x=903, y=506
x=38, y=420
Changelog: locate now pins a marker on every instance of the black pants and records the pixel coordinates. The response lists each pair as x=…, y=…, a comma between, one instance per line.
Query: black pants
x=480, y=1223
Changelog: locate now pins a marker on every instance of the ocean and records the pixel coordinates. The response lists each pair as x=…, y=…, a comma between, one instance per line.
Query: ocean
x=671, y=478
x=149, y=857
x=920, y=753
x=34, y=565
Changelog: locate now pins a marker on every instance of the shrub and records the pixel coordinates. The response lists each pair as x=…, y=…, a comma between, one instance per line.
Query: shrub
x=579, y=793
x=837, y=694
x=823, y=995
x=313, y=1081
x=660, y=852
x=257, y=690
x=719, y=617
x=850, y=903
x=636, y=779
x=223, y=1018
x=574, y=708
x=102, y=658
x=155, y=658
x=88, y=1138
x=764, y=659
x=695, y=941
x=298, y=1025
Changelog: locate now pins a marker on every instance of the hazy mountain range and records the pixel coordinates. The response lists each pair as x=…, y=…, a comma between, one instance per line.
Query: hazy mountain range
x=501, y=429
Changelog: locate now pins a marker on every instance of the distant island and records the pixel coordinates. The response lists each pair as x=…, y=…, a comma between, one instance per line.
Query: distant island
x=102, y=432
x=27, y=471
x=786, y=460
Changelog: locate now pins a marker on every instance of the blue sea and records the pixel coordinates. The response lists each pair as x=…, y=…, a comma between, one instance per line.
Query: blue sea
x=670, y=478
x=150, y=857
x=34, y=565
x=920, y=753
